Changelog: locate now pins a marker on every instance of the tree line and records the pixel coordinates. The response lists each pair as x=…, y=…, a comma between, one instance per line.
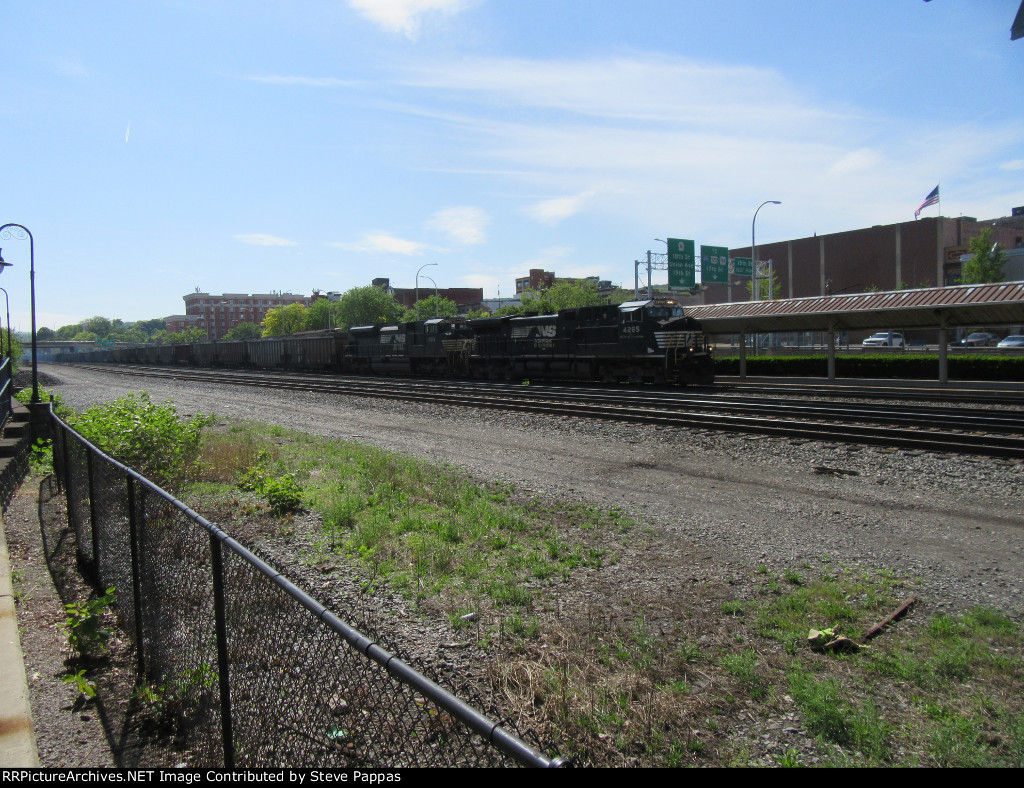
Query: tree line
x=359, y=306
x=363, y=306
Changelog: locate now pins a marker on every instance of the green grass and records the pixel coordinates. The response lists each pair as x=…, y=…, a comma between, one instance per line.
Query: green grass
x=426, y=530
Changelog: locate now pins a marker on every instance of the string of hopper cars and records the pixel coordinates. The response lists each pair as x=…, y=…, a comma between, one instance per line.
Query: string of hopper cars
x=638, y=341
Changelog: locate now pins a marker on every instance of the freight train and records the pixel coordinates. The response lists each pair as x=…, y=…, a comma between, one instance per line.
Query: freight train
x=636, y=342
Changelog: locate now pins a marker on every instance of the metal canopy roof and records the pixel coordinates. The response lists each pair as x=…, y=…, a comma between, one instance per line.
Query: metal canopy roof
x=933, y=307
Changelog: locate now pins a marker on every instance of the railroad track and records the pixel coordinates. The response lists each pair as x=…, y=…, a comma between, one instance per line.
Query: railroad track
x=943, y=429
x=911, y=392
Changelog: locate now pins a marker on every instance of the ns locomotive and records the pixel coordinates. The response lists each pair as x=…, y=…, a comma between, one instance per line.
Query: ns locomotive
x=638, y=341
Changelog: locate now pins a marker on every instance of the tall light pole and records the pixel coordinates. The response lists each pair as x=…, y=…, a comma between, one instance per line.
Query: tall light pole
x=418, y=287
x=755, y=295
x=12, y=230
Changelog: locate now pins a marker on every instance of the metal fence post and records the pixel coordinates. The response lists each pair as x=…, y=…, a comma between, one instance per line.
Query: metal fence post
x=220, y=617
x=94, y=536
x=66, y=462
x=133, y=543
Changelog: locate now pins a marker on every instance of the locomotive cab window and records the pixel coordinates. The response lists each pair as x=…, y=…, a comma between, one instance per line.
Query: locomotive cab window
x=632, y=315
x=665, y=312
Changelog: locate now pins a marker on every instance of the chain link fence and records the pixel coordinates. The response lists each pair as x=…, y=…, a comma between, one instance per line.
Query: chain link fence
x=259, y=673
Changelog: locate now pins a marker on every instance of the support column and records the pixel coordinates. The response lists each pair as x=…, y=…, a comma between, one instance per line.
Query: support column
x=943, y=355
x=743, y=354
x=831, y=352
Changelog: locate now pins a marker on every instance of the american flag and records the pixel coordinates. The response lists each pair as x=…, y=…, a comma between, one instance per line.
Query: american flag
x=931, y=199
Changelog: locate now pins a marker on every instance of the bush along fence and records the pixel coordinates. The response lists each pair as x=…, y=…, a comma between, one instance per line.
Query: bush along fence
x=257, y=672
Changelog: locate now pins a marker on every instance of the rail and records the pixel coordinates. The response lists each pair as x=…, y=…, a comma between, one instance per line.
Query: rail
x=261, y=673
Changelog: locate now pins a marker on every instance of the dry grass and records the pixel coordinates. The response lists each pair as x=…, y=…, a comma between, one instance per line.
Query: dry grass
x=227, y=452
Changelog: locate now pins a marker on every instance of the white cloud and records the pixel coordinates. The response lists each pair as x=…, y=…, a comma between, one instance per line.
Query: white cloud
x=316, y=82
x=382, y=242
x=1016, y=165
x=555, y=210
x=262, y=239
x=464, y=225
x=663, y=90
x=404, y=16
x=691, y=147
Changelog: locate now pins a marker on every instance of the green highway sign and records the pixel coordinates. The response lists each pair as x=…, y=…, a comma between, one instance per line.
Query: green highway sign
x=682, y=263
x=743, y=266
x=714, y=264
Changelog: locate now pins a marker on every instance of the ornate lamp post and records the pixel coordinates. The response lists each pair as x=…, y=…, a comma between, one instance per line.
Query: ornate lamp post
x=12, y=230
x=7, y=299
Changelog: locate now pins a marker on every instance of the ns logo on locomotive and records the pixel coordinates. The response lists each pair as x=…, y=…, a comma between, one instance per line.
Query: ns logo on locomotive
x=637, y=342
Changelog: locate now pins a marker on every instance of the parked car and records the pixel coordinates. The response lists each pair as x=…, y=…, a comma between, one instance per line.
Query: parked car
x=885, y=339
x=1014, y=340
x=980, y=339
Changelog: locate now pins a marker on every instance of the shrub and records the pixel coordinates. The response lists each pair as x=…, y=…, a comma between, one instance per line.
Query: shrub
x=283, y=494
x=146, y=436
x=84, y=624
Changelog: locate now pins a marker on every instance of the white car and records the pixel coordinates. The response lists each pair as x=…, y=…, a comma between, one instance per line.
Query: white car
x=1015, y=340
x=884, y=339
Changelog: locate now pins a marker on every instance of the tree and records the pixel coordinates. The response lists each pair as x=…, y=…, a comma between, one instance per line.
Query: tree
x=244, y=331
x=65, y=333
x=151, y=326
x=763, y=292
x=284, y=320
x=987, y=261
x=11, y=341
x=100, y=326
x=562, y=295
x=364, y=306
x=432, y=307
x=322, y=314
x=186, y=337
x=45, y=334
x=132, y=335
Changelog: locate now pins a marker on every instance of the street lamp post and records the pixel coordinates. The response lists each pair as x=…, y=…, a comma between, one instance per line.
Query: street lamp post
x=755, y=295
x=418, y=287
x=7, y=231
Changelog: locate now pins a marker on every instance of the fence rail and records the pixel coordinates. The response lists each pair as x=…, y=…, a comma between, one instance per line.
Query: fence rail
x=261, y=674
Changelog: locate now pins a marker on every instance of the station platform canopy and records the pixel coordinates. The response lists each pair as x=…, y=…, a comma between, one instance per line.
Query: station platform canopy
x=931, y=307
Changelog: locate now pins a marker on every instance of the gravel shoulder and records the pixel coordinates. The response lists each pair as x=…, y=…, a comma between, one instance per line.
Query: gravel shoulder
x=714, y=505
x=958, y=522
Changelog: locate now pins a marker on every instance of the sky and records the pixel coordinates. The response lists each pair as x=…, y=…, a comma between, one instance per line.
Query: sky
x=157, y=148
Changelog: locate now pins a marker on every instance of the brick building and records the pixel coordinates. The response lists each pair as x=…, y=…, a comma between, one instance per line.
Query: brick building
x=922, y=253
x=465, y=298
x=539, y=279
x=218, y=314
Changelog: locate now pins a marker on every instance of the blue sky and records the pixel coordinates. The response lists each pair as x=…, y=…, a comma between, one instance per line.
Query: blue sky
x=153, y=148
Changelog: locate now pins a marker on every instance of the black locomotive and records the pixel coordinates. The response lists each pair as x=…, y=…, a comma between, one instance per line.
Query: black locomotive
x=637, y=342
